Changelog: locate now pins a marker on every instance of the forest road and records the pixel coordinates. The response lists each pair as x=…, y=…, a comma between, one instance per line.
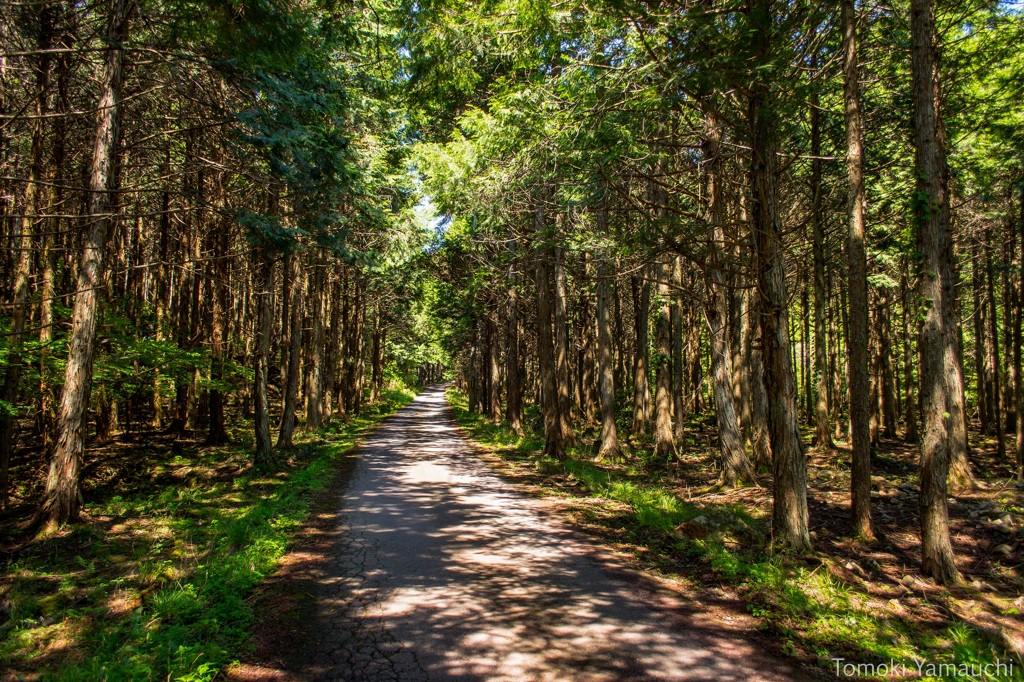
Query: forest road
x=444, y=571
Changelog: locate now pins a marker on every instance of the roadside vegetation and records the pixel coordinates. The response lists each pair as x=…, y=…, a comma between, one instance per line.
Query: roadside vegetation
x=861, y=602
x=155, y=581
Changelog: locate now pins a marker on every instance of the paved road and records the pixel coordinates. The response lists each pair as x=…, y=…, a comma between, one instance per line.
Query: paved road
x=445, y=572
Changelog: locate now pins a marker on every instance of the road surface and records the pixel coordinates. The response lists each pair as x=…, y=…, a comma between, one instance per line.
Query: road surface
x=444, y=571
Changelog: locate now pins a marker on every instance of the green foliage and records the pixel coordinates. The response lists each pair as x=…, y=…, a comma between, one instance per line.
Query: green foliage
x=163, y=594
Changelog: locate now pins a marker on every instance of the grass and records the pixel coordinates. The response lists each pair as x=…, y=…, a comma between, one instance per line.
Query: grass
x=811, y=613
x=154, y=584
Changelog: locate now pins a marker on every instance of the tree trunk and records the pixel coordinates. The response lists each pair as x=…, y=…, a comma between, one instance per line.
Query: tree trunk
x=562, y=348
x=822, y=433
x=736, y=465
x=641, y=388
x=220, y=293
x=377, y=359
x=1018, y=336
x=513, y=377
x=62, y=497
x=358, y=346
x=910, y=402
x=315, y=385
x=24, y=243
x=992, y=347
x=610, y=449
x=936, y=290
x=291, y=384
x=664, y=438
x=494, y=367
x=553, y=435
x=857, y=285
x=760, y=439
x=789, y=517
x=977, y=284
x=263, y=284
x=678, y=365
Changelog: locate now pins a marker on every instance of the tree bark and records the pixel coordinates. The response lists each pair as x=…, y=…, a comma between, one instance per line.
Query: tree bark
x=857, y=284
x=554, y=445
x=678, y=365
x=994, y=363
x=936, y=290
x=1018, y=336
x=562, y=348
x=789, y=516
x=911, y=435
x=315, y=385
x=641, y=353
x=610, y=448
x=494, y=367
x=220, y=292
x=291, y=384
x=513, y=377
x=664, y=438
x=822, y=432
x=62, y=497
x=736, y=466
x=977, y=284
x=24, y=242
x=263, y=284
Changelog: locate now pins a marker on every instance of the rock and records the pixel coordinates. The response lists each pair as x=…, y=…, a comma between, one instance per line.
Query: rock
x=1006, y=520
x=895, y=605
x=1003, y=549
x=856, y=568
x=974, y=515
x=692, y=529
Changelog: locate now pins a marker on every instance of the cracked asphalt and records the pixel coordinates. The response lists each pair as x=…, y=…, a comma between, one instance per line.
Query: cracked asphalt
x=444, y=571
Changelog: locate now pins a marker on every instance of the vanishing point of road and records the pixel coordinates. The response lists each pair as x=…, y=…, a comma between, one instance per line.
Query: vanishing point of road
x=446, y=572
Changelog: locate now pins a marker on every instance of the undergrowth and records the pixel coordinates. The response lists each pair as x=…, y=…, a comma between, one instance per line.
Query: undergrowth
x=814, y=615
x=154, y=584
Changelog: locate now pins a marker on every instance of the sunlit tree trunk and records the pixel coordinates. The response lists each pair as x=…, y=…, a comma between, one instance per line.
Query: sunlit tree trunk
x=736, y=465
x=610, y=449
x=62, y=497
x=494, y=367
x=641, y=353
x=664, y=438
x=789, y=516
x=936, y=290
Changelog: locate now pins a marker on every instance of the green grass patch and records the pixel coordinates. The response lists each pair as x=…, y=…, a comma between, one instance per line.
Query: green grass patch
x=814, y=614
x=155, y=586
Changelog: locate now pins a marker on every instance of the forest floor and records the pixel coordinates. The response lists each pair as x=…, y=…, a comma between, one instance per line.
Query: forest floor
x=861, y=602
x=157, y=580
